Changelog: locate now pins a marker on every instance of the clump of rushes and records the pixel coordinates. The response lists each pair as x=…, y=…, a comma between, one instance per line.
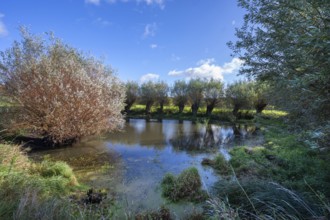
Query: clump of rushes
x=219, y=163
x=162, y=213
x=27, y=187
x=186, y=186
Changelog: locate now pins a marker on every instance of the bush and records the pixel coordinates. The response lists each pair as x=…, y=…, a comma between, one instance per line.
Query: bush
x=186, y=186
x=63, y=95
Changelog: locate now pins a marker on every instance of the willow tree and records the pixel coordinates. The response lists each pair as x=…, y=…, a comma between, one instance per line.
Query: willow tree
x=180, y=94
x=213, y=94
x=132, y=94
x=240, y=94
x=286, y=43
x=196, y=89
x=162, y=91
x=260, y=96
x=148, y=95
x=61, y=93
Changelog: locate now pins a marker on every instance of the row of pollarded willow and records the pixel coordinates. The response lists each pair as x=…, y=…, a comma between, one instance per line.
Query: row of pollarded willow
x=241, y=94
x=63, y=94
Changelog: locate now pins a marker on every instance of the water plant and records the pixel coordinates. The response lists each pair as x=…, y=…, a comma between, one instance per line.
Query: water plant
x=219, y=163
x=186, y=186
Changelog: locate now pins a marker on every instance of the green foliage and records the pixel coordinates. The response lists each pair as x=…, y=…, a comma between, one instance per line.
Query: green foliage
x=240, y=94
x=283, y=158
x=219, y=163
x=213, y=94
x=196, y=90
x=180, y=94
x=186, y=186
x=162, y=213
x=148, y=95
x=264, y=199
x=132, y=94
x=21, y=179
x=271, y=42
x=162, y=91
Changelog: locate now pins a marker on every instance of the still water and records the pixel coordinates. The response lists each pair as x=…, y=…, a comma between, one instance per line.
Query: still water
x=131, y=164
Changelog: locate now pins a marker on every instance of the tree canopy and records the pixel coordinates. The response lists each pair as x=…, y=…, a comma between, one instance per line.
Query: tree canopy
x=287, y=44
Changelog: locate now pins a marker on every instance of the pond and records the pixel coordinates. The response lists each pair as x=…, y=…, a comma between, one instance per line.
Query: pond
x=131, y=164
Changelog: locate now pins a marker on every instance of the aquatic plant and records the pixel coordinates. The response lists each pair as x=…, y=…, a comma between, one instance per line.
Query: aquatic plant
x=186, y=186
x=162, y=213
x=219, y=163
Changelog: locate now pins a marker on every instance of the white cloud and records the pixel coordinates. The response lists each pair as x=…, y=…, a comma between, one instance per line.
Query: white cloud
x=149, y=77
x=3, y=29
x=208, y=69
x=150, y=30
x=153, y=46
x=232, y=66
x=94, y=2
x=160, y=3
x=233, y=22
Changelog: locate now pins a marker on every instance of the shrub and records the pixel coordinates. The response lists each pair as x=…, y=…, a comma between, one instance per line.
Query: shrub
x=186, y=186
x=63, y=94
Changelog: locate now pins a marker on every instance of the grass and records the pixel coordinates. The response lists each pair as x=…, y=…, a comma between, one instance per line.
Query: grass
x=219, y=163
x=270, y=201
x=284, y=159
x=45, y=190
x=186, y=186
x=283, y=178
x=218, y=114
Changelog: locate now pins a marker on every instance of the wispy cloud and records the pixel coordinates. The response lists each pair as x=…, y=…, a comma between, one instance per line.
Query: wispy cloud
x=3, y=29
x=233, y=22
x=94, y=2
x=149, y=77
x=153, y=46
x=160, y=3
x=102, y=22
x=208, y=69
x=175, y=57
x=150, y=30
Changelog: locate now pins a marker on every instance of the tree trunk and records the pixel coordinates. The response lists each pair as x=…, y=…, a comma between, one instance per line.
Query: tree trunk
x=161, y=108
x=148, y=107
x=128, y=107
x=181, y=107
x=194, y=109
x=209, y=109
x=235, y=110
x=260, y=107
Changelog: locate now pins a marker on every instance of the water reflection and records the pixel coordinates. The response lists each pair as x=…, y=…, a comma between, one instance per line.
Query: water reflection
x=182, y=135
x=145, y=151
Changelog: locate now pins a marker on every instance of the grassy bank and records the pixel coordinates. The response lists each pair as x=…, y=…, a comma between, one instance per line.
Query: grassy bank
x=281, y=179
x=218, y=114
x=45, y=190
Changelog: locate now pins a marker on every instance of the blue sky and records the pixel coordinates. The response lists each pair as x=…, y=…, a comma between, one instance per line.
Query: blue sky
x=141, y=39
